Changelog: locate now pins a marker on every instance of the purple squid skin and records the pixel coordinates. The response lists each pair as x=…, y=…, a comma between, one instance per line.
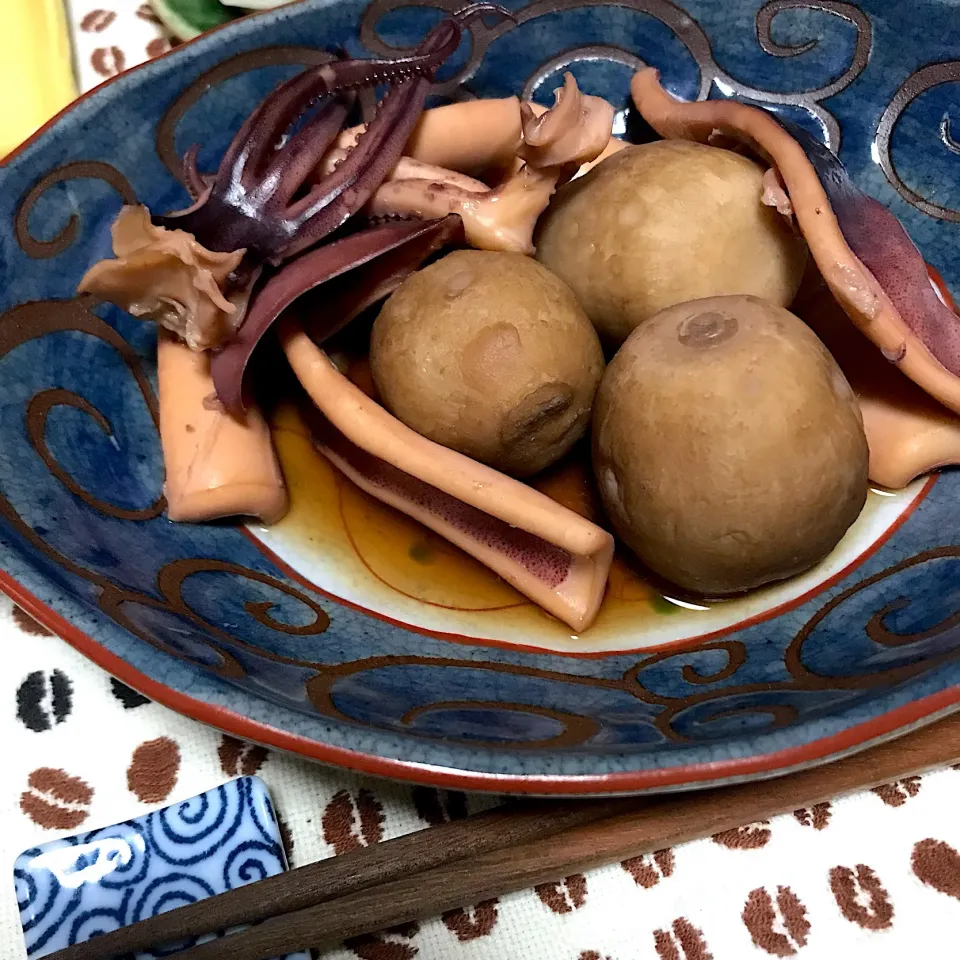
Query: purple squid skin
x=880, y=242
x=256, y=200
x=252, y=199
x=409, y=241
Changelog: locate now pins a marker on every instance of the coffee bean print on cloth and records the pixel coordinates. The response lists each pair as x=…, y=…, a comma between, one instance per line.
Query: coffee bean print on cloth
x=45, y=698
x=96, y=21
x=565, y=895
x=127, y=695
x=593, y=955
x=861, y=897
x=239, y=758
x=817, y=816
x=158, y=46
x=153, y=771
x=28, y=625
x=145, y=12
x=649, y=869
x=394, y=944
x=439, y=806
x=471, y=923
x=108, y=61
x=937, y=865
x=683, y=941
x=751, y=837
x=896, y=794
x=55, y=799
x=351, y=821
x=778, y=926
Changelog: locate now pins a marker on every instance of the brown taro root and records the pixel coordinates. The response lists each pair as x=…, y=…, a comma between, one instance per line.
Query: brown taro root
x=728, y=447
x=489, y=354
x=664, y=223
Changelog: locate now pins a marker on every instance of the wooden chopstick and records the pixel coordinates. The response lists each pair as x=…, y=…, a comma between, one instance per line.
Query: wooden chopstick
x=624, y=829
x=652, y=824
x=516, y=823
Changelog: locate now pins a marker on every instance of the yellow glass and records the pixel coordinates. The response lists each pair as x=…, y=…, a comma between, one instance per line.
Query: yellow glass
x=36, y=68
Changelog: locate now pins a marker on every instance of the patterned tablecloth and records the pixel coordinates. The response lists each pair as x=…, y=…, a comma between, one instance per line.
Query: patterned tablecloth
x=875, y=875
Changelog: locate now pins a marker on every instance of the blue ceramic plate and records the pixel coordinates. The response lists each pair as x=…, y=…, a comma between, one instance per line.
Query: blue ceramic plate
x=346, y=633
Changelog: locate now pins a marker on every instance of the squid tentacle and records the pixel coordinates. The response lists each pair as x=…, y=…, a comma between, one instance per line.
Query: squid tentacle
x=260, y=131
x=297, y=158
x=260, y=208
x=250, y=202
x=336, y=198
x=196, y=183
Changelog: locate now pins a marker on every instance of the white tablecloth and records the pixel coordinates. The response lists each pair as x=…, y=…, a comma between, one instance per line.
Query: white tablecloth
x=875, y=875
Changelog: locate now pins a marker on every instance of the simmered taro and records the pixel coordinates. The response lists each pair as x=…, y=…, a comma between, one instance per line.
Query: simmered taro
x=728, y=447
x=489, y=354
x=664, y=223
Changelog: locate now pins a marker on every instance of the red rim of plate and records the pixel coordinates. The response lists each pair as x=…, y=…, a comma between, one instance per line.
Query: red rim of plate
x=895, y=722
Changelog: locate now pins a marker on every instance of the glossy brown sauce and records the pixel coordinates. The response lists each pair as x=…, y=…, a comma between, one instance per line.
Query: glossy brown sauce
x=397, y=567
x=328, y=512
